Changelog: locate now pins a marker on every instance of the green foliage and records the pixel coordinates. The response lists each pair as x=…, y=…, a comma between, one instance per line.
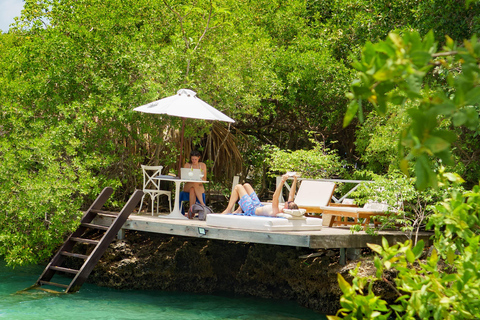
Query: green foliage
x=410, y=207
x=319, y=162
x=392, y=72
x=377, y=144
x=71, y=73
x=43, y=183
x=377, y=140
x=443, y=286
x=355, y=306
x=347, y=25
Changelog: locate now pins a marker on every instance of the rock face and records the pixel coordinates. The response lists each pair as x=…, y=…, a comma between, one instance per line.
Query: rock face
x=154, y=261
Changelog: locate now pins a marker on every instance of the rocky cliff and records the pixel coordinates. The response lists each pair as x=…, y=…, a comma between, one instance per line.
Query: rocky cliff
x=162, y=262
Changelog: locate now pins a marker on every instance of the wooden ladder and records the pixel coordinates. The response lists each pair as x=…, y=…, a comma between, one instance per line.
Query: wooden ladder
x=100, y=246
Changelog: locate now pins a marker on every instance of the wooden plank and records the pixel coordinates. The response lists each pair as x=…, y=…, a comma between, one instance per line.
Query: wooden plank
x=83, y=240
x=68, y=270
x=361, y=239
x=326, y=238
x=201, y=230
x=48, y=283
x=75, y=255
x=94, y=226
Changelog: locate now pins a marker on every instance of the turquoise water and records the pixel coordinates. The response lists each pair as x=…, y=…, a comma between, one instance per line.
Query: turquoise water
x=93, y=302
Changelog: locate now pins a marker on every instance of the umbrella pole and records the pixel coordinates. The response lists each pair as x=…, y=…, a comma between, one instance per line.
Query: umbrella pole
x=181, y=146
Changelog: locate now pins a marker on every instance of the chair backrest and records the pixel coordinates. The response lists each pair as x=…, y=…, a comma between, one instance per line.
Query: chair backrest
x=148, y=173
x=314, y=193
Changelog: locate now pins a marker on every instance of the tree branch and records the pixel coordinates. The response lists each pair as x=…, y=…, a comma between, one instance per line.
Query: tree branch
x=443, y=54
x=206, y=27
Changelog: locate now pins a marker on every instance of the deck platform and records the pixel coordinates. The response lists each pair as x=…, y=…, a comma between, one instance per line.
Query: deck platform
x=326, y=238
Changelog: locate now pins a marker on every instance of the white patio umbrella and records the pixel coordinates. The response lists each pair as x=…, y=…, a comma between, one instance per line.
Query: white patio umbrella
x=184, y=104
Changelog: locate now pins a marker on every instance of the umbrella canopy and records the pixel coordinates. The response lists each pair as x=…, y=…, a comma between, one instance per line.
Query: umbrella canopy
x=184, y=104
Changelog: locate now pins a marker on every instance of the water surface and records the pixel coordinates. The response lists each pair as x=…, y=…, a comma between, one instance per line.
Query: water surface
x=93, y=302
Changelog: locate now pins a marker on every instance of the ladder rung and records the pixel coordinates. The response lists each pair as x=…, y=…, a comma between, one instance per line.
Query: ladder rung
x=50, y=291
x=83, y=240
x=93, y=226
x=105, y=213
x=75, y=255
x=53, y=284
x=68, y=270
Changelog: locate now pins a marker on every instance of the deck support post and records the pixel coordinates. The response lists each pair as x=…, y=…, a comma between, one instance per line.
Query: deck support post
x=121, y=234
x=343, y=259
x=353, y=253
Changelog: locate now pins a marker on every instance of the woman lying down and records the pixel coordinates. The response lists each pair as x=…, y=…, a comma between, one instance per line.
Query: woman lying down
x=250, y=205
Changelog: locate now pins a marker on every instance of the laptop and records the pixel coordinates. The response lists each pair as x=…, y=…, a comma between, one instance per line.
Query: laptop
x=190, y=174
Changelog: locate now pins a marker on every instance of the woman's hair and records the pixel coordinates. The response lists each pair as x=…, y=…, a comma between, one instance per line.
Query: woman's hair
x=195, y=153
x=291, y=205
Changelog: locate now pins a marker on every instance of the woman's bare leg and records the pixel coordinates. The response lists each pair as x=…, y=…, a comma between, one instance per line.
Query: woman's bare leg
x=248, y=188
x=196, y=193
x=237, y=192
x=192, y=197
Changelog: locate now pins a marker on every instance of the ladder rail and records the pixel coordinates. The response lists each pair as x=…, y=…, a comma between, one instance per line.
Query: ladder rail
x=102, y=246
x=58, y=258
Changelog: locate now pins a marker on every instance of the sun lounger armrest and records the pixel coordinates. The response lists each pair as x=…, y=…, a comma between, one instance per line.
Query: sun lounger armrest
x=345, y=205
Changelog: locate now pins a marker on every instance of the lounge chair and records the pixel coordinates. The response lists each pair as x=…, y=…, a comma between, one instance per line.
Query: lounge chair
x=333, y=215
x=313, y=195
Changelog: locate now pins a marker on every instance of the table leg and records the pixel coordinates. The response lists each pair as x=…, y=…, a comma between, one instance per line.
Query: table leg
x=176, y=214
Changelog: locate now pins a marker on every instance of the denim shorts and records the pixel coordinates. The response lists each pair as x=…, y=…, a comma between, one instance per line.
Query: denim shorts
x=249, y=203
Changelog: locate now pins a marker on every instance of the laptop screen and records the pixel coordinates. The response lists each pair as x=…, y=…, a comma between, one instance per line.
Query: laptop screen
x=190, y=174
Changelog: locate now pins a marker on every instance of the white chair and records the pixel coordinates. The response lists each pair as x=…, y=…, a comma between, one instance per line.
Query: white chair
x=151, y=186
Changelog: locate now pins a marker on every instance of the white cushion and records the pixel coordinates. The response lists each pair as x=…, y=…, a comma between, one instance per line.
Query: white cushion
x=262, y=223
x=295, y=212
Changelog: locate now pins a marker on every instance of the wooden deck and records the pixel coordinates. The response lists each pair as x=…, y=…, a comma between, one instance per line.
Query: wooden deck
x=327, y=238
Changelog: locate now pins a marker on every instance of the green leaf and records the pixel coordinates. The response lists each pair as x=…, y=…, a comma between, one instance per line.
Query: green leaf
x=472, y=118
x=451, y=256
x=344, y=285
x=410, y=256
x=385, y=243
x=450, y=278
x=378, y=265
x=351, y=112
x=382, y=104
x=425, y=175
x=446, y=157
x=420, y=58
x=459, y=118
x=418, y=249
x=414, y=84
x=445, y=108
x=453, y=177
x=396, y=307
x=404, y=166
x=447, y=135
x=382, y=75
x=436, y=144
x=375, y=247
x=473, y=96
x=397, y=99
x=386, y=48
